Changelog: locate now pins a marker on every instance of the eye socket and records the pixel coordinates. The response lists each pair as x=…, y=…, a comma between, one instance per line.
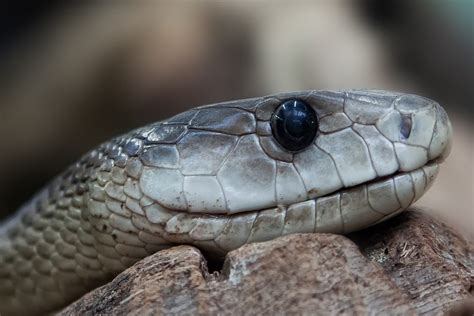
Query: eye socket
x=294, y=124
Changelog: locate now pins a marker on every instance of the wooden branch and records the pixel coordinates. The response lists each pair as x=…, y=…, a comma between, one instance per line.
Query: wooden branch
x=412, y=264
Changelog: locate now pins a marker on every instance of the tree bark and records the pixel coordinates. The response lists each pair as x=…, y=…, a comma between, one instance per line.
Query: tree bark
x=412, y=264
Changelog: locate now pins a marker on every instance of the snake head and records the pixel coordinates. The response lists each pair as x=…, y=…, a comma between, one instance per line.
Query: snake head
x=358, y=157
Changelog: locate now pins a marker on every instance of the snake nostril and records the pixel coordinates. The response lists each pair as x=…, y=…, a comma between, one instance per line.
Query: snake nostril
x=405, y=128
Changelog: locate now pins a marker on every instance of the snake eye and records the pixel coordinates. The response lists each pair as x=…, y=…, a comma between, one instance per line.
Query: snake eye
x=294, y=125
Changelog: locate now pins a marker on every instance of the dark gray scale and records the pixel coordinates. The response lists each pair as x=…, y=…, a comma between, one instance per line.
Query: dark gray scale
x=133, y=146
x=166, y=134
x=373, y=106
x=231, y=121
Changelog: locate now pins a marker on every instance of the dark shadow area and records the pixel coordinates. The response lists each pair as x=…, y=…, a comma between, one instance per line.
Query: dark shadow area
x=214, y=264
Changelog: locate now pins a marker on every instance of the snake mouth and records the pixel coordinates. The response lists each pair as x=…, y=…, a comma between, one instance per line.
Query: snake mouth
x=392, y=194
x=343, y=211
x=369, y=203
x=430, y=164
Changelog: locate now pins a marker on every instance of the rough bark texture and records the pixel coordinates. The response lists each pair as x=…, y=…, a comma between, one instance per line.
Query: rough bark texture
x=429, y=262
x=409, y=265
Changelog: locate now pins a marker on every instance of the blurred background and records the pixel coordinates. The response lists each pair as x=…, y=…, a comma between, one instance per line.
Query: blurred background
x=73, y=76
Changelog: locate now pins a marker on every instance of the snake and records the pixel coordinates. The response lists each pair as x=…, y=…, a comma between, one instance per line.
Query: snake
x=217, y=177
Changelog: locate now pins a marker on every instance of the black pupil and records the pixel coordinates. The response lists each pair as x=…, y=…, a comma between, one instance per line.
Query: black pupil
x=294, y=125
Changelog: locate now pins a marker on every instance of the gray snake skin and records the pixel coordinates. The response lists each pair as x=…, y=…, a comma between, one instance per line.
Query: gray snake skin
x=216, y=178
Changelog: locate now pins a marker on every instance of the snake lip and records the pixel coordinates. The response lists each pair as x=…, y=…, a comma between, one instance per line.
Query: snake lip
x=432, y=162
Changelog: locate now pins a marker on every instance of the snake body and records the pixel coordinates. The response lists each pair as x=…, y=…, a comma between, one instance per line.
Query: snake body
x=215, y=177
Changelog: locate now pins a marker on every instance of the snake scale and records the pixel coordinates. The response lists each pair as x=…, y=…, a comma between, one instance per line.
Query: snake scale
x=217, y=177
